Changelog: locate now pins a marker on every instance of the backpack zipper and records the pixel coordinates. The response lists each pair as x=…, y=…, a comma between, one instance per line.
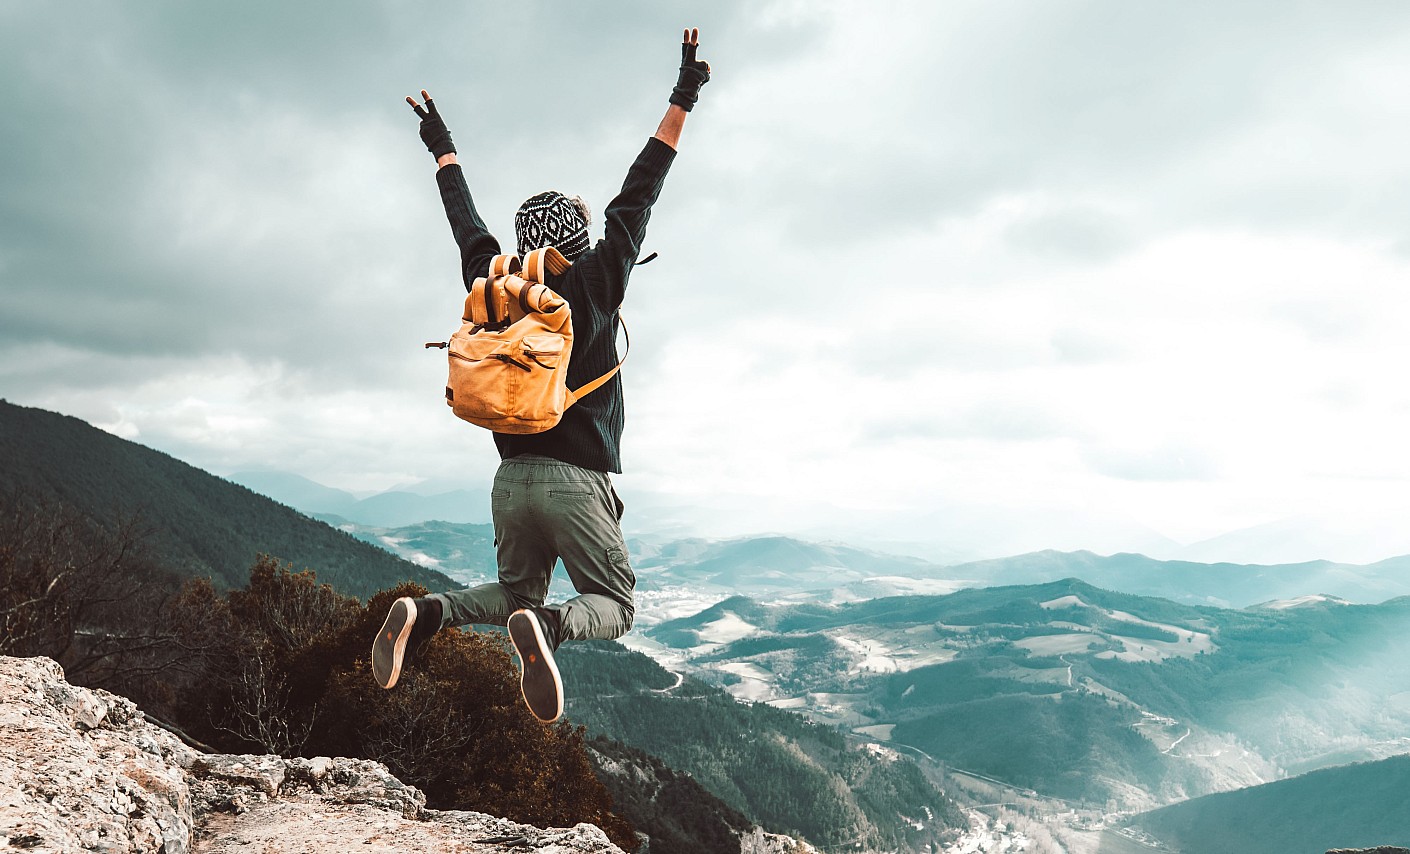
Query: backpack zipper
x=500, y=356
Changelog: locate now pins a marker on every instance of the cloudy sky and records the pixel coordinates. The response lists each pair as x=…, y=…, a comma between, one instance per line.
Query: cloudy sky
x=989, y=275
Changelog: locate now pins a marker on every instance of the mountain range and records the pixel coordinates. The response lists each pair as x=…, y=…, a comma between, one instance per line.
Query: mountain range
x=1075, y=692
x=390, y=509
x=1103, y=684
x=946, y=535
x=1225, y=571
x=682, y=576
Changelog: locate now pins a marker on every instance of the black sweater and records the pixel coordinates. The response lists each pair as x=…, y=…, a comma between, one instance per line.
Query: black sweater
x=590, y=434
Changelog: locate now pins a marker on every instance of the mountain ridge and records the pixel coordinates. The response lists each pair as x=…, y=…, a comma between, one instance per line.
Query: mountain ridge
x=391, y=508
x=200, y=524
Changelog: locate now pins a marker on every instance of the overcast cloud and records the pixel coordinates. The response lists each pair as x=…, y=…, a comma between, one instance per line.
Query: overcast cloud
x=993, y=276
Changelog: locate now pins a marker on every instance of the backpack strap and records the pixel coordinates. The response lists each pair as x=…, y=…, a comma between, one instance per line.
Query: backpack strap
x=542, y=262
x=587, y=388
x=489, y=298
x=527, y=296
x=487, y=304
x=504, y=265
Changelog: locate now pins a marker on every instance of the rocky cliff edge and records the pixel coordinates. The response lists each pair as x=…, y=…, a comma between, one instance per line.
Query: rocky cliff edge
x=82, y=770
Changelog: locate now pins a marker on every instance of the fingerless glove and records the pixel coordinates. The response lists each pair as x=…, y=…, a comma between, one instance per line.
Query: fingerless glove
x=694, y=74
x=434, y=132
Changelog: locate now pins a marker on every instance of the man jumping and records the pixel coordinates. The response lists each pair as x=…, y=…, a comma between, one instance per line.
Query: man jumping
x=552, y=496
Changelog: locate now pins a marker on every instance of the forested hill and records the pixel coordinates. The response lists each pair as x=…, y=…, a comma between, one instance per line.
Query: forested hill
x=1352, y=806
x=199, y=524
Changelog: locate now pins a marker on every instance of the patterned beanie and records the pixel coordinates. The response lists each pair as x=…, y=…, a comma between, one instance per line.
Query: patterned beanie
x=553, y=219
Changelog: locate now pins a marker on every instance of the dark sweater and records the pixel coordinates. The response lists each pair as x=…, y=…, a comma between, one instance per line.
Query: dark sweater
x=590, y=434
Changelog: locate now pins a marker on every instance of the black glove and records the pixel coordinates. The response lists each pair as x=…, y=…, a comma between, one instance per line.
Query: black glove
x=433, y=130
x=694, y=73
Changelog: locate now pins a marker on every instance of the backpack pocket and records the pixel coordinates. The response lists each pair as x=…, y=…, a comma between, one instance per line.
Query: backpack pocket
x=507, y=381
x=545, y=351
x=484, y=377
x=543, y=392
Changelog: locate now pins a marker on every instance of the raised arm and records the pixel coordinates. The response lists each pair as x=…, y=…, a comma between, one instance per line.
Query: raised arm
x=626, y=216
x=694, y=73
x=477, y=245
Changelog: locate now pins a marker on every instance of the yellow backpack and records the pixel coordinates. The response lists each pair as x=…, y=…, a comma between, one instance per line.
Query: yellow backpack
x=509, y=359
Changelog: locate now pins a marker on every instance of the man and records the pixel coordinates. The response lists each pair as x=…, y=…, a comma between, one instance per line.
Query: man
x=552, y=495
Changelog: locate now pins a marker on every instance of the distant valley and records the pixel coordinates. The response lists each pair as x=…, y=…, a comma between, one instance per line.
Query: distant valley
x=1075, y=699
x=1071, y=691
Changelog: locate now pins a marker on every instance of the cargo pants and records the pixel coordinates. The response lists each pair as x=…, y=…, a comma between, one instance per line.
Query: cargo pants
x=545, y=509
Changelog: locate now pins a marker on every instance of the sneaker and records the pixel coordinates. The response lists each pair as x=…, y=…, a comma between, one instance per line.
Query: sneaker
x=538, y=678
x=389, y=647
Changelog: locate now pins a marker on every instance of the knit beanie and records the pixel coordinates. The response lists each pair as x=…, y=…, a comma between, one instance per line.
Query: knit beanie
x=553, y=219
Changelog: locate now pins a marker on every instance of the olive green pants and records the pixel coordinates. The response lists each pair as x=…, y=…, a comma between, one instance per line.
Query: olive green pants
x=545, y=509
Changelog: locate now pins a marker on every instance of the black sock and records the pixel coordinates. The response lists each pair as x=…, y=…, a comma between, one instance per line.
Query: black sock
x=428, y=619
x=551, y=627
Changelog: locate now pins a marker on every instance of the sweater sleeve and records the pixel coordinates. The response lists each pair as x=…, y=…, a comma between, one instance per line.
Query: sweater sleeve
x=477, y=245
x=627, y=215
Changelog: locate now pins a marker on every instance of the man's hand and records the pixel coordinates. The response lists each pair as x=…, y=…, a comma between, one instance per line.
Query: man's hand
x=433, y=129
x=694, y=72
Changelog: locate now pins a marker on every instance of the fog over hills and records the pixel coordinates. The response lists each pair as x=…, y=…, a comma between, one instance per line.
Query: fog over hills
x=389, y=509
x=1221, y=584
x=1367, y=536
x=944, y=535
x=677, y=577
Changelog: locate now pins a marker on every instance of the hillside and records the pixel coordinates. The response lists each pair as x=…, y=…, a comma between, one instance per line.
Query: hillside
x=675, y=811
x=1365, y=804
x=777, y=769
x=199, y=524
x=1073, y=691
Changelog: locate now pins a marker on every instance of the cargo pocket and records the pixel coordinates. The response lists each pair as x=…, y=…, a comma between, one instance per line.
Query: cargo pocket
x=622, y=568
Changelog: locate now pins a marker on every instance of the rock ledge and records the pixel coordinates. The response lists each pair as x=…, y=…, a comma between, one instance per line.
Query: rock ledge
x=81, y=770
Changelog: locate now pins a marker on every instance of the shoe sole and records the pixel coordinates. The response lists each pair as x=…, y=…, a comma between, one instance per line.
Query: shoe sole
x=539, y=681
x=389, y=647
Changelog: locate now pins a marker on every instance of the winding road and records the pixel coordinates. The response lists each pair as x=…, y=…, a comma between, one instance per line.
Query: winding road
x=680, y=677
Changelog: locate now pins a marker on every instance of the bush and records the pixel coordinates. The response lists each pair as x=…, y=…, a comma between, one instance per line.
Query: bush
x=83, y=594
x=289, y=673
